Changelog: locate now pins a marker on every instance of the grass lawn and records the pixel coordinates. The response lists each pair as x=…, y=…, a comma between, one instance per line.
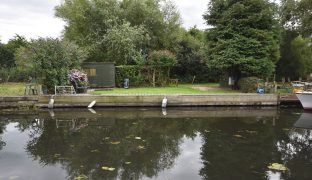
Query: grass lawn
x=181, y=89
x=17, y=89
x=12, y=89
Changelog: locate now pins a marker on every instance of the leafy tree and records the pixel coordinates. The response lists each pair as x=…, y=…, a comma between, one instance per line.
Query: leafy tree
x=243, y=40
x=191, y=59
x=16, y=42
x=124, y=42
x=296, y=54
x=296, y=15
x=88, y=22
x=6, y=57
x=113, y=30
x=51, y=59
x=159, y=64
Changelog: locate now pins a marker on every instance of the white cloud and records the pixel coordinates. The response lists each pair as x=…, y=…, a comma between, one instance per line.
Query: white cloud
x=31, y=18
x=192, y=12
x=35, y=18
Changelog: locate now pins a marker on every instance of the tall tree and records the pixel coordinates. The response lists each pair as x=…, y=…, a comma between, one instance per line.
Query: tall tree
x=296, y=18
x=6, y=57
x=140, y=25
x=244, y=37
x=296, y=53
x=296, y=15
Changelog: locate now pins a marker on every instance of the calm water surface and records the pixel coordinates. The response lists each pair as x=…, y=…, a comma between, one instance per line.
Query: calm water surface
x=172, y=144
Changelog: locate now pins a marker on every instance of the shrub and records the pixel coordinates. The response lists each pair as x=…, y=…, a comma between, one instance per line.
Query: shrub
x=159, y=65
x=248, y=84
x=51, y=59
x=133, y=73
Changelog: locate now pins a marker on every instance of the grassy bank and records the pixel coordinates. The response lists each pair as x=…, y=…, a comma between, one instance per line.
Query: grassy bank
x=12, y=89
x=181, y=89
x=17, y=89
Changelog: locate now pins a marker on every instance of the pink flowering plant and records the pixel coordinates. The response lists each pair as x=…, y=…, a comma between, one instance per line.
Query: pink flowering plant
x=78, y=76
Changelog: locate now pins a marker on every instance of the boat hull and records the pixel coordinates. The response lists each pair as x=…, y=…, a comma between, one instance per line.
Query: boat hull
x=305, y=99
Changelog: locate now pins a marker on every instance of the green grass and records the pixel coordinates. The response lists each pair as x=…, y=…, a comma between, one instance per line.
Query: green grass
x=181, y=89
x=17, y=89
x=12, y=89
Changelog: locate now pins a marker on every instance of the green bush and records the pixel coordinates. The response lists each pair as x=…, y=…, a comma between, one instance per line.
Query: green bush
x=15, y=75
x=248, y=84
x=159, y=64
x=50, y=59
x=133, y=73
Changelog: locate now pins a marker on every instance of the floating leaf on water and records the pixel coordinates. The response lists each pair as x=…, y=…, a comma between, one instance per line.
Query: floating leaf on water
x=237, y=135
x=57, y=155
x=127, y=162
x=207, y=131
x=129, y=136
x=81, y=177
x=251, y=132
x=115, y=142
x=95, y=151
x=111, y=169
x=138, y=138
x=134, y=123
x=278, y=167
x=141, y=147
x=105, y=168
x=106, y=138
x=286, y=129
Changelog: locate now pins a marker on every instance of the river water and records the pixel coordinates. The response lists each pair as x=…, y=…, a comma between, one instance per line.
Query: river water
x=158, y=144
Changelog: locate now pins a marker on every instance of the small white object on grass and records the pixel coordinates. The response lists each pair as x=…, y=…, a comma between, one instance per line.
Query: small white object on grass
x=91, y=104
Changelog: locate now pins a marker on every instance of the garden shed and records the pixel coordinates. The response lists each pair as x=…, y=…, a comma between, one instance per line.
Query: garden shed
x=100, y=74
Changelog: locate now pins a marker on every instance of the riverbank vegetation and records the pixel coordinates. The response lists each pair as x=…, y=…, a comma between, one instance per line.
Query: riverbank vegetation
x=146, y=41
x=12, y=89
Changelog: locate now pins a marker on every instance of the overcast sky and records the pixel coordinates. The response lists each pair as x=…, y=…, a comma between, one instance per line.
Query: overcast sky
x=35, y=18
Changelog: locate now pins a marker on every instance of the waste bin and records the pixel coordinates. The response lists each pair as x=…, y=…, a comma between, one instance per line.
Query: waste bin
x=260, y=90
x=126, y=83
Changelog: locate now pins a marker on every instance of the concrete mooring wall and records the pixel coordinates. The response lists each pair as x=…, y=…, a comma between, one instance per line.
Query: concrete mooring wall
x=155, y=100
x=18, y=101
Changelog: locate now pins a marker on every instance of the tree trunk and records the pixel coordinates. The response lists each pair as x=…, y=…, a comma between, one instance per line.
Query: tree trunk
x=154, y=72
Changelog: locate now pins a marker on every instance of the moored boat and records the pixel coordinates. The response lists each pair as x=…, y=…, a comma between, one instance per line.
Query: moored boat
x=305, y=98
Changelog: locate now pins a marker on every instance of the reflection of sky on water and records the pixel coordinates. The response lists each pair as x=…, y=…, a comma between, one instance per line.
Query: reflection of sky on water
x=15, y=163
x=188, y=164
x=178, y=146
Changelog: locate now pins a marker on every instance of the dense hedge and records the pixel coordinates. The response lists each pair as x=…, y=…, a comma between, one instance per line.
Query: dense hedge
x=248, y=84
x=133, y=73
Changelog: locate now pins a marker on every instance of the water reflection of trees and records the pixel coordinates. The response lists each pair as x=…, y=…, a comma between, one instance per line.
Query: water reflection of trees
x=85, y=148
x=3, y=123
x=296, y=152
x=226, y=156
x=85, y=151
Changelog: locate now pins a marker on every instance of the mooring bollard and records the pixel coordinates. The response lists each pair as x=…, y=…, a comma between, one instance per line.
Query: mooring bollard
x=51, y=102
x=164, y=103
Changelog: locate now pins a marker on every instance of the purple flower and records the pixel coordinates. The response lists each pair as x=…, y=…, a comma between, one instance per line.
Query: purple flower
x=78, y=76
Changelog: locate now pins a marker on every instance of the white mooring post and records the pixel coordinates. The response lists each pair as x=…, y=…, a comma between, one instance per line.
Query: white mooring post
x=51, y=102
x=164, y=102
